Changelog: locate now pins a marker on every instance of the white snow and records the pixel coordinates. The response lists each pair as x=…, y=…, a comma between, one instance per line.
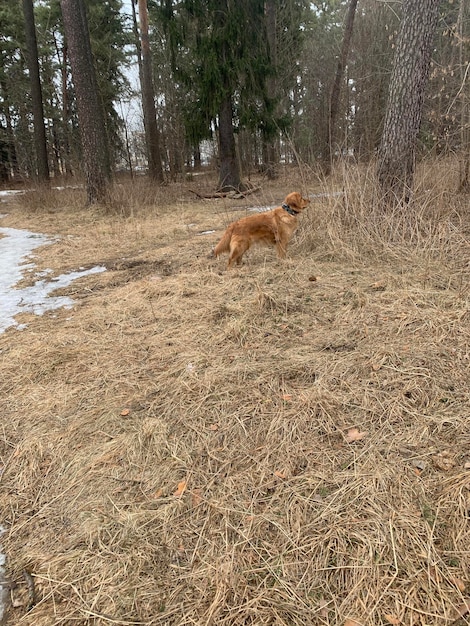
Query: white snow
x=16, y=247
x=5, y=193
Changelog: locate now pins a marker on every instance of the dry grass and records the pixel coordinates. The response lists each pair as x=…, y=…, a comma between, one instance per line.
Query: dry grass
x=236, y=391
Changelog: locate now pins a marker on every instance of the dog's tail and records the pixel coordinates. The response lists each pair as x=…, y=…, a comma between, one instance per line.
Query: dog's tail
x=224, y=243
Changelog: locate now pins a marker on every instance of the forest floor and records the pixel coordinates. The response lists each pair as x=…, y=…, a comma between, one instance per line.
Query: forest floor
x=287, y=443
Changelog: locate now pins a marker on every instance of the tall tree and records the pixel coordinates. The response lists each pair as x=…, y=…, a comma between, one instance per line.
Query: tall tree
x=271, y=159
x=396, y=158
x=336, y=90
x=148, y=97
x=42, y=163
x=227, y=75
x=370, y=62
x=463, y=47
x=90, y=113
x=229, y=171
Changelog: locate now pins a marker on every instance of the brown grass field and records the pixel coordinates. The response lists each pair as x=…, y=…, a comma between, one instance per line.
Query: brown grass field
x=287, y=443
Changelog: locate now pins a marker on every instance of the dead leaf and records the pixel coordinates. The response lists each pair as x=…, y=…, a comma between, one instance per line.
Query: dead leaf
x=376, y=366
x=180, y=489
x=279, y=474
x=458, y=582
x=287, y=396
x=352, y=622
x=323, y=606
x=464, y=608
x=391, y=619
x=214, y=427
x=354, y=434
x=433, y=573
x=125, y=412
x=196, y=497
x=467, y=465
x=158, y=493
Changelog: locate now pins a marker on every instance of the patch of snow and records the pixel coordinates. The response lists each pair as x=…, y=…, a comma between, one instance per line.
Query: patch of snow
x=5, y=193
x=260, y=209
x=15, y=247
x=10, y=192
x=68, y=187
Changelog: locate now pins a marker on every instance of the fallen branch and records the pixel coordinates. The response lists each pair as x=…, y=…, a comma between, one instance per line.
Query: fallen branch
x=234, y=194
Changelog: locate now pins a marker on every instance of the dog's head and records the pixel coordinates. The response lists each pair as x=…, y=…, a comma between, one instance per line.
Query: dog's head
x=296, y=201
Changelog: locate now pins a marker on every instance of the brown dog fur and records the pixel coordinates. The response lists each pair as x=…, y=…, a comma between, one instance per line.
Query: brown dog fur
x=273, y=228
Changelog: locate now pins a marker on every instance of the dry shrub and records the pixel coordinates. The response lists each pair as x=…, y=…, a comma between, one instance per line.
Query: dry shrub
x=177, y=449
x=433, y=226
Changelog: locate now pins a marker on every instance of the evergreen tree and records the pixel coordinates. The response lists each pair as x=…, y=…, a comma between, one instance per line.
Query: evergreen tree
x=14, y=106
x=42, y=165
x=335, y=94
x=228, y=74
x=90, y=112
x=152, y=137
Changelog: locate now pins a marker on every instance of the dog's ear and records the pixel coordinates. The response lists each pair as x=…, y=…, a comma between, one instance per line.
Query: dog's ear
x=293, y=200
x=296, y=201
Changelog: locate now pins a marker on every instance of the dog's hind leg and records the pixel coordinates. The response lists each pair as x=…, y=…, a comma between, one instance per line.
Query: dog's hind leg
x=237, y=250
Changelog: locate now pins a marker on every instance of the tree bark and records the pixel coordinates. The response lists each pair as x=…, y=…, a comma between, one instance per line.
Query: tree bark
x=42, y=164
x=229, y=173
x=464, y=165
x=397, y=151
x=152, y=138
x=10, y=146
x=90, y=113
x=229, y=170
x=336, y=90
x=270, y=155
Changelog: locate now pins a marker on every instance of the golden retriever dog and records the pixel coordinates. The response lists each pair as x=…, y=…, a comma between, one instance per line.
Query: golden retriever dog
x=272, y=228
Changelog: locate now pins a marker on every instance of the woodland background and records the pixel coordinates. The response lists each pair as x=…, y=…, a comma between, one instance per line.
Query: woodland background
x=285, y=443
x=299, y=90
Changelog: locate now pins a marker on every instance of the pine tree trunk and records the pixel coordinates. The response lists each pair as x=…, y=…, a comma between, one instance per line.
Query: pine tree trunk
x=10, y=145
x=42, y=164
x=270, y=156
x=65, y=148
x=148, y=98
x=336, y=91
x=90, y=113
x=464, y=161
x=229, y=174
x=396, y=158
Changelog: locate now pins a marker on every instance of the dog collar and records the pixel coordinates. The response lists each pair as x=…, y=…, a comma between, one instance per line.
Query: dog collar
x=287, y=208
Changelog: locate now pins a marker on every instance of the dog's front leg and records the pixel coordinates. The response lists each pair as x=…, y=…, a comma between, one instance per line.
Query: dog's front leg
x=281, y=246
